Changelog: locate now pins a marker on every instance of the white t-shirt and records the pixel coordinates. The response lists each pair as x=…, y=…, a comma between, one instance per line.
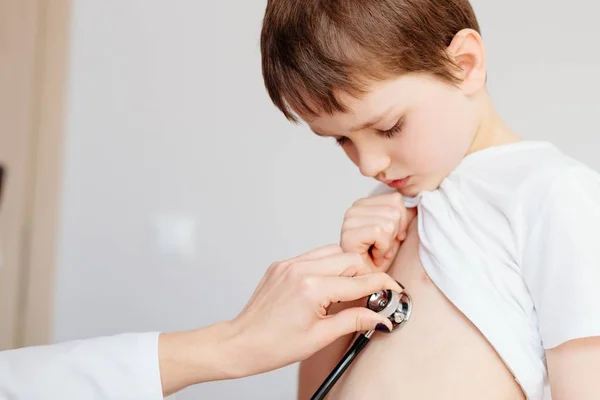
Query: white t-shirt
x=512, y=238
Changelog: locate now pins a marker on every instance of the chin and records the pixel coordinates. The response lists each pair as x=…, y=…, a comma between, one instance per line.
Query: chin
x=415, y=188
x=409, y=192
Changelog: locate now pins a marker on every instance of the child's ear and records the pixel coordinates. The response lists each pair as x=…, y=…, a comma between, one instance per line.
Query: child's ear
x=468, y=53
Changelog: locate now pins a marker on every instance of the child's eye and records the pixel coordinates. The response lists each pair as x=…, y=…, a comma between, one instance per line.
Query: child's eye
x=394, y=130
x=342, y=141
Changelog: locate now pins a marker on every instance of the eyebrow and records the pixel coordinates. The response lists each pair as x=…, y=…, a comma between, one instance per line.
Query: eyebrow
x=371, y=122
x=365, y=125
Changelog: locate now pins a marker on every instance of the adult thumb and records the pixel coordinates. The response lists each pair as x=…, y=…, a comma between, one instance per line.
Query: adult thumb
x=353, y=320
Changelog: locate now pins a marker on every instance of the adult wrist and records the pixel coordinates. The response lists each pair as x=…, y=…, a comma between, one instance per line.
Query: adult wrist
x=192, y=357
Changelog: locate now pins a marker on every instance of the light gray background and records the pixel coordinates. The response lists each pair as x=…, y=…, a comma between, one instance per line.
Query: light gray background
x=183, y=183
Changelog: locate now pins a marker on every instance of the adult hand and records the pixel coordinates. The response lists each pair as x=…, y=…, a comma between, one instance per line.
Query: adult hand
x=286, y=319
x=284, y=322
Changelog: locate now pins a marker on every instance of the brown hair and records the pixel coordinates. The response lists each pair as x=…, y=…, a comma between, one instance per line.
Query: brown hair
x=312, y=49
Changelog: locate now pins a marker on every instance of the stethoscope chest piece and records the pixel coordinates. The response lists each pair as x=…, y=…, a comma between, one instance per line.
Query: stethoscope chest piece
x=397, y=307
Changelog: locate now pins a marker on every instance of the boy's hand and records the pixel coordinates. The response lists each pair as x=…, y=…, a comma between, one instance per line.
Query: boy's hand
x=374, y=227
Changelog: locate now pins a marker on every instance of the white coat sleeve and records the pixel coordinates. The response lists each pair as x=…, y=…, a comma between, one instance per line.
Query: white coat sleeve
x=120, y=367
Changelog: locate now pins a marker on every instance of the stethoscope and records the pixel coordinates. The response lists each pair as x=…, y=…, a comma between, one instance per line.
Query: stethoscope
x=395, y=306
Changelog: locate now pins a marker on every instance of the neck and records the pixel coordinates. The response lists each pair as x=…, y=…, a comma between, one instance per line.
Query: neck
x=492, y=131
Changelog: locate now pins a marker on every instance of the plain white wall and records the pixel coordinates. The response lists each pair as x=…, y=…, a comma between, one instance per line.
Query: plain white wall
x=183, y=183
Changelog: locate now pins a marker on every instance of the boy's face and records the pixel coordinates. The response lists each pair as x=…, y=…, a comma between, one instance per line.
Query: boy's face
x=422, y=128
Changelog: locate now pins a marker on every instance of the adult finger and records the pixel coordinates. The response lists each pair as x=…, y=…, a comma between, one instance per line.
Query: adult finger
x=319, y=252
x=350, y=320
x=344, y=264
x=277, y=267
x=349, y=289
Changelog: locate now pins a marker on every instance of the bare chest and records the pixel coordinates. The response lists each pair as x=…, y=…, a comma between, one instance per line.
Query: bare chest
x=438, y=354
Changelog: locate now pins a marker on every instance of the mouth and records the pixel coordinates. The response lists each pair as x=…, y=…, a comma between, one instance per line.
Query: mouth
x=398, y=183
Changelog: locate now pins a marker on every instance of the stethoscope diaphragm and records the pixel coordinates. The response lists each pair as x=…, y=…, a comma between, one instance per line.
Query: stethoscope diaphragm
x=397, y=307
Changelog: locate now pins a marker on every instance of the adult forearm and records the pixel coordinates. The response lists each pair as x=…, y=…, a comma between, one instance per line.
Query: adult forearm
x=193, y=357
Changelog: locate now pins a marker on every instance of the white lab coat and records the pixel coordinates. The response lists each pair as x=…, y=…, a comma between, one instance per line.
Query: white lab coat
x=120, y=367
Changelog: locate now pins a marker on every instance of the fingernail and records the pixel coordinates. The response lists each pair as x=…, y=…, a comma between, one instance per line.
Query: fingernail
x=381, y=327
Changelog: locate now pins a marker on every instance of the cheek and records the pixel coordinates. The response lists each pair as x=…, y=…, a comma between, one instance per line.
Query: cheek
x=438, y=138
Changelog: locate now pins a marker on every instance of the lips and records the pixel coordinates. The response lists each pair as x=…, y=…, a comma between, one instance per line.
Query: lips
x=398, y=183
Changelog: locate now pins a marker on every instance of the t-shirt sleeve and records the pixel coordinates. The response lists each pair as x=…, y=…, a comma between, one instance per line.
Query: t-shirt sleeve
x=561, y=263
x=123, y=367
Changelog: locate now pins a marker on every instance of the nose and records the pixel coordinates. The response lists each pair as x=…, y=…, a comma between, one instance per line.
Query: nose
x=372, y=163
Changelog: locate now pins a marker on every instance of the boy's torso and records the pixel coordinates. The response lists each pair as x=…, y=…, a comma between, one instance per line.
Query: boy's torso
x=438, y=354
x=474, y=233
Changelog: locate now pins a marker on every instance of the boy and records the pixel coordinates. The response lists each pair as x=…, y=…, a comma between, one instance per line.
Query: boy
x=501, y=259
